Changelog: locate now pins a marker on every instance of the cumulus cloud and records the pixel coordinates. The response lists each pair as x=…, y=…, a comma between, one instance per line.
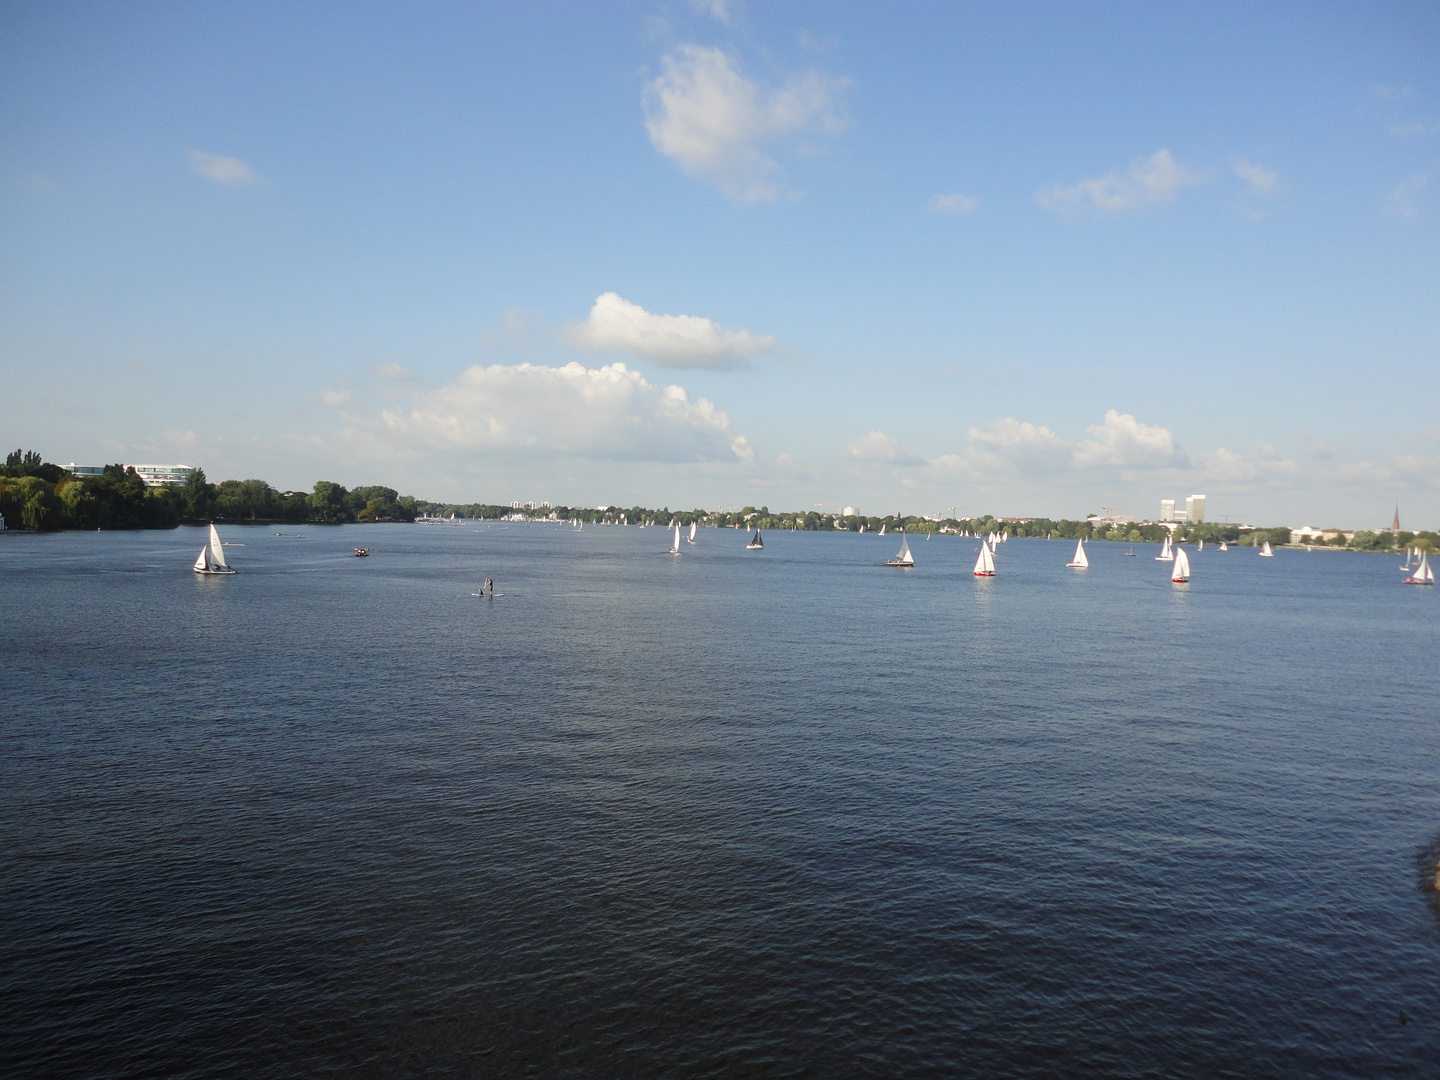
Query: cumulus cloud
x=673, y=341
x=1025, y=445
x=876, y=446
x=702, y=113
x=1415, y=129
x=1122, y=441
x=1264, y=467
x=1260, y=179
x=1404, y=200
x=393, y=373
x=1014, y=448
x=223, y=170
x=1151, y=181
x=954, y=204
x=719, y=10
x=609, y=414
x=1386, y=92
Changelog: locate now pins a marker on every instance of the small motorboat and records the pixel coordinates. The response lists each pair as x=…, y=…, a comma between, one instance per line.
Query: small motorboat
x=360, y=553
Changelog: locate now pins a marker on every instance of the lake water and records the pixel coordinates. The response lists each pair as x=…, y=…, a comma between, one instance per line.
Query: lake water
x=733, y=814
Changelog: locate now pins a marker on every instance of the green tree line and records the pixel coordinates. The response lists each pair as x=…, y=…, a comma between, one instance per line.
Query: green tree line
x=35, y=494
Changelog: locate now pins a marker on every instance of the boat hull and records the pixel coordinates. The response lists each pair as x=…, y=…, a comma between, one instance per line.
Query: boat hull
x=231, y=570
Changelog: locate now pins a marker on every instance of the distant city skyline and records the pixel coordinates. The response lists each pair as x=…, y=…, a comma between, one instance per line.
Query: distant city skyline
x=1008, y=260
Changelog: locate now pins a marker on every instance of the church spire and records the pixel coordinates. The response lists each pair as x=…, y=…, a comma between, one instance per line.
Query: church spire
x=1395, y=525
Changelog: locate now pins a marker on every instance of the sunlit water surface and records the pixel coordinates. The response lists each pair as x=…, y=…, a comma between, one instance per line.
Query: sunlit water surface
x=779, y=813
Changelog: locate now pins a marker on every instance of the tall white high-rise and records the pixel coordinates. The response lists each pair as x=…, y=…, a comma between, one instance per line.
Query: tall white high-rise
x=1195, y=508
x=1167, y=509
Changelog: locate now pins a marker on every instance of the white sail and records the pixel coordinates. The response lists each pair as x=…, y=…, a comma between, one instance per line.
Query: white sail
x=1265, y=550
x=202, y=562
x=1166, y=552
x=1200, y=546
x=1425, y=573
x=675, y=544
x=882, y=529
x=217, y=551
x=903, y=556
x=1080, y=559
x=1224, y=546
x=692, y=532
x=1181, y=572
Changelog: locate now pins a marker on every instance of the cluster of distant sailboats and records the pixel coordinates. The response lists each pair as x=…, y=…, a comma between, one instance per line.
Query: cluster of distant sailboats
x=1417, y=563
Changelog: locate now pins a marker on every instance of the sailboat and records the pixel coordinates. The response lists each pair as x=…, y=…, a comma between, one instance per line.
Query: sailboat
x=882, y=529
x=1166, y=554
x=1409, y=559
x=1200, y=546
x=675, y=544
x=1180, y=573
x=1265, y=552
x=1224, y=546
x=691, y=538
x=903, y=556
x=755, y=544
x=1080, y=561
x=212, y=557
x=1423, y=574
x=985, y=564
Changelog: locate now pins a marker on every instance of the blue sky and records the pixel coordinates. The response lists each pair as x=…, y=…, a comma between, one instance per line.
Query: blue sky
x=1019, y=258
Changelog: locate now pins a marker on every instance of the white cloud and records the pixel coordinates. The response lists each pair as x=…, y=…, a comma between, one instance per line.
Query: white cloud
x=1122, y=441
x=335, y=398
x=608, y=414
x=712, y=121
x=1012, y=448
x=223, y=170
x=673, y=341
x=1226, y=470
x=719, y=10
x=954, y=204
x=1404, y=200
x=1023, y=445
x=876, y=446
x=1415, y=129
x=1384, y=92
x=1150, y=181
x=393, y=373
x=1259, y=178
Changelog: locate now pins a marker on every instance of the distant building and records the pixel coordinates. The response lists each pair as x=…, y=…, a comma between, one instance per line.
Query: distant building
x=162, y=475
x=1193, y=513
x=849, y=511
x=153, y=475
